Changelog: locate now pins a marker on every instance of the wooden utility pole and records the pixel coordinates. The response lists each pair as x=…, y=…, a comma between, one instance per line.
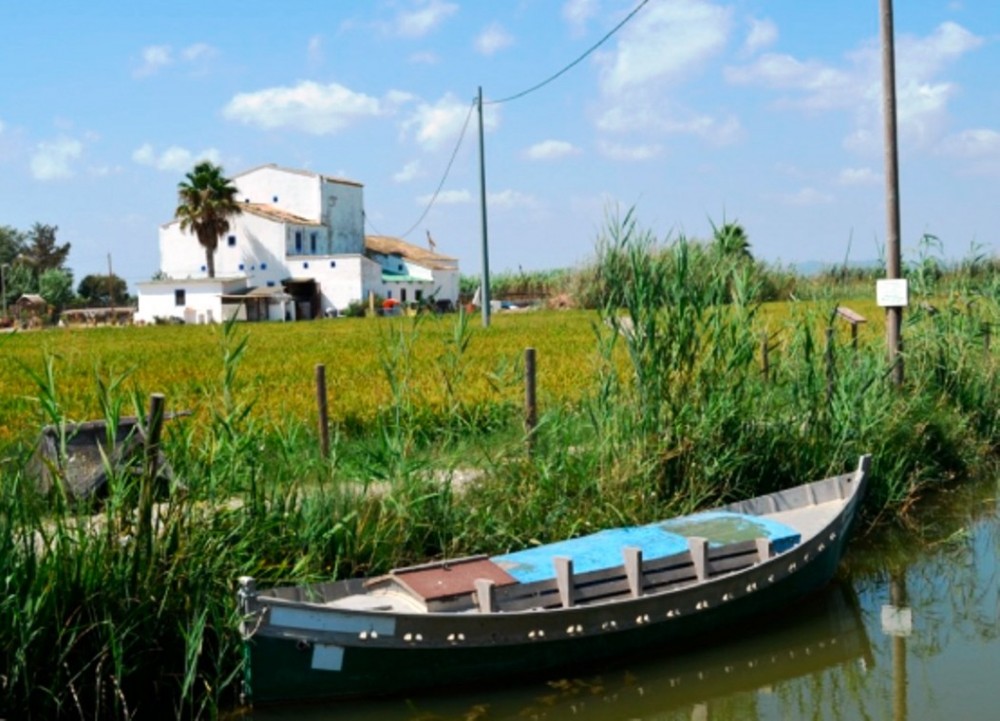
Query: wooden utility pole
x=893, y=314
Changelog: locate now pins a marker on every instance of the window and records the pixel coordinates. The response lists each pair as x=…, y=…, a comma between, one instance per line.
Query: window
x=242, y=267
x=388, y=294
x=312, y=242
x=263, y=266
x=402, y=295
x=400, y=267
x=270, y=284
x=333, y=264
x=203, y=269
x=418, y=295
x=232, y=241
x=298, y=241
x=180, y=297
x=274, y=199
x=306, y=264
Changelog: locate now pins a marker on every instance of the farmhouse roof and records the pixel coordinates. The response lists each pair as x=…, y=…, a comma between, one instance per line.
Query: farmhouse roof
x=387, y=245
x=298, y=171
x=271, y=212
x=30, y=299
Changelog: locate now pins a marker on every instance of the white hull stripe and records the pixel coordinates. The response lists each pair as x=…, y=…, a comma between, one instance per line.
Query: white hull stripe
x=327, y=657
x=298, y=618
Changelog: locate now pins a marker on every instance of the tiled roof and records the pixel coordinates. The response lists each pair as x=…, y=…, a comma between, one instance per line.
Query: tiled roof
x=271, y=212
x=394, y=246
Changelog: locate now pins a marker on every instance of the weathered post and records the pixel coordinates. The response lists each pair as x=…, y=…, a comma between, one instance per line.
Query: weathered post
x=324, y=420
x=154, y=429
x=530, y=398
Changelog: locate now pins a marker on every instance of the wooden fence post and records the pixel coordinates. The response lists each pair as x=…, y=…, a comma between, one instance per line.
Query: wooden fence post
x=530, y=398
x=154, y=428
x=324, y=420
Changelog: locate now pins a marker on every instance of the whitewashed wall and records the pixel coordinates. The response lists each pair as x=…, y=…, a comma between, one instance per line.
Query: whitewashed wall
x=202, y=299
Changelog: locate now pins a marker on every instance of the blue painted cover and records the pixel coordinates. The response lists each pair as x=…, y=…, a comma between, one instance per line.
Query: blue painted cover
x=604, y=549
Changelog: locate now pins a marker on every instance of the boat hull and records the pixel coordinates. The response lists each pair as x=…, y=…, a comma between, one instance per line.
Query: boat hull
x=303, y=666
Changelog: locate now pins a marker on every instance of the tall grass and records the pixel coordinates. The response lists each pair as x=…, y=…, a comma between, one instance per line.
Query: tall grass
x=101, y=618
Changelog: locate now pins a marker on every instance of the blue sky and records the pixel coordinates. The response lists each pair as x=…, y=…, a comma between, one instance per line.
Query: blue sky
x=765, y=113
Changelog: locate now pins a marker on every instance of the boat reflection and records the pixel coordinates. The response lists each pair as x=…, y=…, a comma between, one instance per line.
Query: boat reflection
x=721, y=680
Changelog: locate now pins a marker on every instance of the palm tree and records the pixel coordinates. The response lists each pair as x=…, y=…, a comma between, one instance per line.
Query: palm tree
x=206, y=201
x=731, y=241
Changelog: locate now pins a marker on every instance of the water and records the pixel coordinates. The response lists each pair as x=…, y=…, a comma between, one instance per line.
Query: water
x=910, y=632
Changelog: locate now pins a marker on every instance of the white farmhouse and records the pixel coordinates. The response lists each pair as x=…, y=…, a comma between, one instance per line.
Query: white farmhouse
x=297, y=251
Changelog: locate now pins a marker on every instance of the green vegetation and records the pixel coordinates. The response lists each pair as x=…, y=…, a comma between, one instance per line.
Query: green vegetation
x=656, y=403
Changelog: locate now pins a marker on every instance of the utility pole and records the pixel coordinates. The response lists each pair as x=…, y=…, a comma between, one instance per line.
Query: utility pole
x=893, y=313
x=484, y=294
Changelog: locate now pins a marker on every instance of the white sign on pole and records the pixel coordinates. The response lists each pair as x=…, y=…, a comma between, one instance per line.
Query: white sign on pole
x=892, y=293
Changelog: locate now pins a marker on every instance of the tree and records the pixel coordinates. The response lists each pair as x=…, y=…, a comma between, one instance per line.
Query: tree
x=11, y=244
x=94, y=290
x=56, y=286
x=730, y=241
x=206, y=201
x=41, y=251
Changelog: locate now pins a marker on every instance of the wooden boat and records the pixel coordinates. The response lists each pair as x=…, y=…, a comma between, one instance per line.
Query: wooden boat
x=609, y=594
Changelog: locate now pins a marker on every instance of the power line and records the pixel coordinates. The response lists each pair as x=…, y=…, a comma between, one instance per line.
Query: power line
x=576, y=62
x=447, y=170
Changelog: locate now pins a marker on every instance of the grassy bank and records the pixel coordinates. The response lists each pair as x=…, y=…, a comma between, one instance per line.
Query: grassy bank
x=653, y=404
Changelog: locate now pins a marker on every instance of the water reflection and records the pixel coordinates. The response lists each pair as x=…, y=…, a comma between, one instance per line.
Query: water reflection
x=719, y=681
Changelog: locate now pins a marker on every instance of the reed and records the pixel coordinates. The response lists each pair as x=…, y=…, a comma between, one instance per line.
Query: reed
x=657, y=405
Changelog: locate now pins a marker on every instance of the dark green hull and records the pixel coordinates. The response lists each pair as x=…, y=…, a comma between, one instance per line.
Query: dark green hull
x=280, y=668
x=305, y=645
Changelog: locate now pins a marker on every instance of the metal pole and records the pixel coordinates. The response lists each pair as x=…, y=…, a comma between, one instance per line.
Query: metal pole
x=484, y=294
x=893, y=315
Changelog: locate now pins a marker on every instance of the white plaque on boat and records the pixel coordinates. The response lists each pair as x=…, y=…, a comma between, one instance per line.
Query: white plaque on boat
x=892, y=293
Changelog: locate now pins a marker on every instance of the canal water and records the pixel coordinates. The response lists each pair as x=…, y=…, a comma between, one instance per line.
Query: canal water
x=910, y=631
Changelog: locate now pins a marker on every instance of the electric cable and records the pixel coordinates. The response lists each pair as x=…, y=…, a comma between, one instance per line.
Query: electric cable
x=576, y=62
x=447, y=170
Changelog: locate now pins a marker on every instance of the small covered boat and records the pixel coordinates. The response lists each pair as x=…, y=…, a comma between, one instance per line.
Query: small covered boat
x=613, y=593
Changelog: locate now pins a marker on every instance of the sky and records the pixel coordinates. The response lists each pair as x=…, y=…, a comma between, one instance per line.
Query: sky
x=694, y=113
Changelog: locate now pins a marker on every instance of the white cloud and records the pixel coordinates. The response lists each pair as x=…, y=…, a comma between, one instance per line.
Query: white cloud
x=762, y=34
x=409, y=172
x=858, y=176
x=310, y=107
x=506, y=199
x=551, y=150
x=174, y=158
x=973, y=144
x=448, y=197
x=158, y=57
x=697, y=30
x=426, y=16
x=492, y=39
x=53, y=160
x=806, y=197
x=854, y=86
x=578, y=12
x=198, y=52
x=440, y=123
x=657, y=115
x=424, y=57
x=154, y=58
x=630, y=153
x=315, y=49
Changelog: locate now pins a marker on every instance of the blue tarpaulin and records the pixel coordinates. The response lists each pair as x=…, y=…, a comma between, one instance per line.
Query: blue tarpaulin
x=604, y=549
